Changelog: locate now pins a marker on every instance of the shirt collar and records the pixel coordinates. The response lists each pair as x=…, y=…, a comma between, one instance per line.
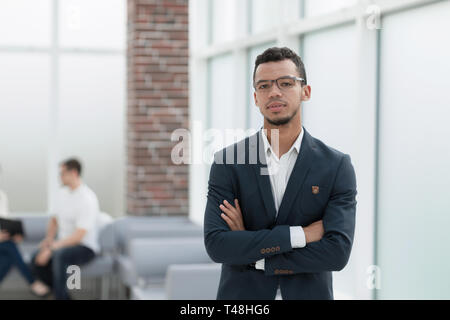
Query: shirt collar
x=77, y=189
x=296, y=145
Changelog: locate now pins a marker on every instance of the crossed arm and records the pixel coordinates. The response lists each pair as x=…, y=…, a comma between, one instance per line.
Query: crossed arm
x=233, y=217
x=227, y=241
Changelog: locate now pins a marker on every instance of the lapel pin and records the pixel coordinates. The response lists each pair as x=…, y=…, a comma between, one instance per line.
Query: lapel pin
x=315, y=189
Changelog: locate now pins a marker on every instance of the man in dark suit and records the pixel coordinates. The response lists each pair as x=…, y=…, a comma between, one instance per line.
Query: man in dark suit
x=280, y=212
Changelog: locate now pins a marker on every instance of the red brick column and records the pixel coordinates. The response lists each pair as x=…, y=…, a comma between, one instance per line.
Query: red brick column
x=157, y=71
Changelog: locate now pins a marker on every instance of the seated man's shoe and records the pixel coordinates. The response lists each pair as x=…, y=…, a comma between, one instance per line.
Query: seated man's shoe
x=39, y=289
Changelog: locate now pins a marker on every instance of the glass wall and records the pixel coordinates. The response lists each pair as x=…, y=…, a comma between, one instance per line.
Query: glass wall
x=414, y=172
x=329, y=62
x=33, y=28
x=221, y=102
x=87, y=24
x=255, y=119
x=24, y=129
x=331, y=113
x=222, y=21
x=91, y=122
x=262, y=15
x=319, y=7
x=62, y=94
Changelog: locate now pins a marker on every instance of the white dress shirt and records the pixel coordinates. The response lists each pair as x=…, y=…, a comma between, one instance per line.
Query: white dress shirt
x=279, y=172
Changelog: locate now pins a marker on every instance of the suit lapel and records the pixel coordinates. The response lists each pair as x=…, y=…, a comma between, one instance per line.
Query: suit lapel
x=297, y=178
x=257, y=149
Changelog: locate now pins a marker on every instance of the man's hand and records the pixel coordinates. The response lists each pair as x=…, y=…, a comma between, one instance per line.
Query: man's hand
x=4, y=236
x=46, y=243
x=314, y=232
x=43, y=257
x=232, y=215
x=55, y=245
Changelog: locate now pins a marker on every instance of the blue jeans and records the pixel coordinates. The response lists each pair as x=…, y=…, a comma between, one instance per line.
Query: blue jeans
x=54, y=274
x=10, y=256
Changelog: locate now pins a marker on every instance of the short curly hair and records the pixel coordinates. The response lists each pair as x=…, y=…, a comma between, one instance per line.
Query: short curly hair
x=280, y=54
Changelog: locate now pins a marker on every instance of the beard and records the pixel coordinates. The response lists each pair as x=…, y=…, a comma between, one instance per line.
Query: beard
x=282, y=121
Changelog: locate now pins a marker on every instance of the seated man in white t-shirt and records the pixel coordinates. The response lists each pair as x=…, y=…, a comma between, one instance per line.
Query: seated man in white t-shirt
x=74, y=216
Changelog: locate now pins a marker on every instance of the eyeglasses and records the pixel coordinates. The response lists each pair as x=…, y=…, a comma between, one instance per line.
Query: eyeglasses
x=283, y=83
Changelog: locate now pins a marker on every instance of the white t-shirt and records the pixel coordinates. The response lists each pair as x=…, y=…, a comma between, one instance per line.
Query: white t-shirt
x=3, y=205
x=75, y=209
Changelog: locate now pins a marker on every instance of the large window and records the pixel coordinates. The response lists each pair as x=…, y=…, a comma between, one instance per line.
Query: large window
x=331, y=114
x=329, y=62
x=93, y=24
x=222, y=21
x=25, y=23
x=62, y=94
x=91, y=122
x=414, y=181
x=24, y=129
x=255, y=119
x=220, y=100
x=314, y=8
x=263, y=13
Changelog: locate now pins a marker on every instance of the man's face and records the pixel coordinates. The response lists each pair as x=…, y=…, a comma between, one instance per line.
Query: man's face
x=279, y=106
x=67, y=176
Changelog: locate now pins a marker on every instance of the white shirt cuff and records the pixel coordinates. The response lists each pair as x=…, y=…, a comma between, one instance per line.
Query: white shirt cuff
x=259, y=264
x=298, y=239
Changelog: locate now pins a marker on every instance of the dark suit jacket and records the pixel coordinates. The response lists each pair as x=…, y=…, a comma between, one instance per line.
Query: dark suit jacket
x=301, y=273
